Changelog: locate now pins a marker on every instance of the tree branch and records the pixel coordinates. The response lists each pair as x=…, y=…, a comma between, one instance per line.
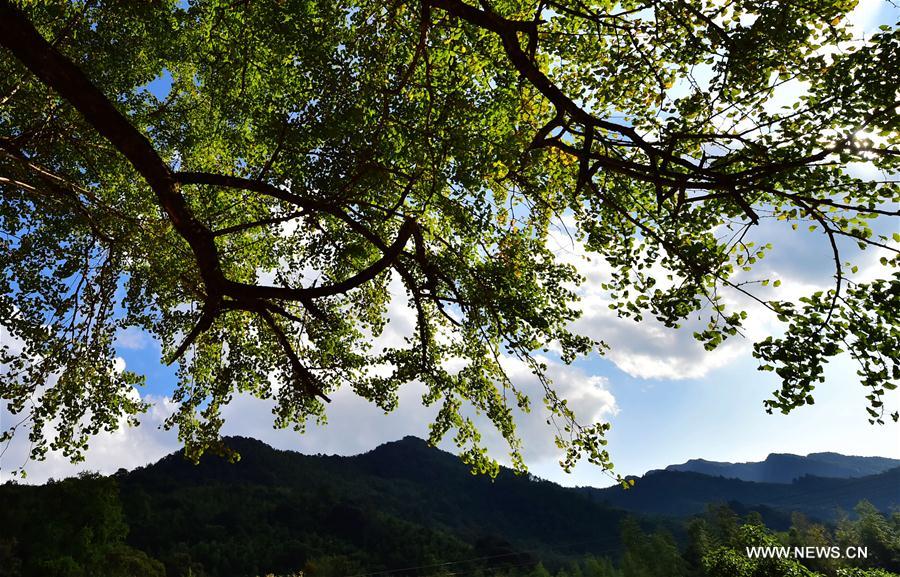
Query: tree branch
x=19, y=36
x=301, y=373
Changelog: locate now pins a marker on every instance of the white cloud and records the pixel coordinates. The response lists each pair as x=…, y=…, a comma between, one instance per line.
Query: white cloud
x=589, y=396
x=648, y=350
x=784, y=95
x=656, y=352
x=6, y=339
x=133, y=338
x=645, y=349
x=355, y=425
x=128, y=447
x=865, y=16
x=401, y=317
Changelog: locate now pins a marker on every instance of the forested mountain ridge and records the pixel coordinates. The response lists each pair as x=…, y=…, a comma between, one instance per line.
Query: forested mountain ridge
x=784, y=468
x=401, y=476
x=402, y=504
x=404, y=478
x=403, y=509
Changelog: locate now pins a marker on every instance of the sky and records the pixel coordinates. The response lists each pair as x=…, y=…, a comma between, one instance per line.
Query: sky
x=667, y=399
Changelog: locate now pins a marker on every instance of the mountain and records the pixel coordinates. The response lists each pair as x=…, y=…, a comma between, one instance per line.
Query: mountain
x=403, y=504
x=407, y=479
x=678, y=493
x=785, y=468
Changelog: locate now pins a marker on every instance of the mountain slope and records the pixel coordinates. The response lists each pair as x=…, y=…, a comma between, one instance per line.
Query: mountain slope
x=401, y=504
x=406, y=478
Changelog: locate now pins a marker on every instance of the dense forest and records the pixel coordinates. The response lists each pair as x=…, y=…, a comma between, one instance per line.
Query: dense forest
x=402, y=510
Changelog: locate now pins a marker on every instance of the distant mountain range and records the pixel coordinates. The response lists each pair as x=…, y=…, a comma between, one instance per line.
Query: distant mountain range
x=677, y=493
x=786, y=468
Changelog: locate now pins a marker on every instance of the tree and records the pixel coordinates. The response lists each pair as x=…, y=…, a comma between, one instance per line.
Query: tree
x=698, y=542
x=653, y=555
x=879, y=536
x=74, y=528
x=602, y=567
x=803, y=533
x=310, y=153
x=734, y=560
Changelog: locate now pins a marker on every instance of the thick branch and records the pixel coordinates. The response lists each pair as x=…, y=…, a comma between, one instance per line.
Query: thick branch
x=245, y=291
x=54, y=69
x=257, y=223
x=207, y=316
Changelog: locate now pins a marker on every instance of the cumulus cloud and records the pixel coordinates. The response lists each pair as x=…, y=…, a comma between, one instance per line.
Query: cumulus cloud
x=648, y=350
x=644, y=350
x=655, y=352
x=13, y=345
x=128, y=447
x=354, y=425
x=865, y=16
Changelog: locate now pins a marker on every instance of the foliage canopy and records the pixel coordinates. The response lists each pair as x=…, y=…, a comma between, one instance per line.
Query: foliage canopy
x=308, y=152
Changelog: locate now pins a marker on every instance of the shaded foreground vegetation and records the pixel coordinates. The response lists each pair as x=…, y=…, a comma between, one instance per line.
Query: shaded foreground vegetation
x=403, y=510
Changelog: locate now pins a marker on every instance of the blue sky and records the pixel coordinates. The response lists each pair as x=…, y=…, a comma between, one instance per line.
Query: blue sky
x=667, y=400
